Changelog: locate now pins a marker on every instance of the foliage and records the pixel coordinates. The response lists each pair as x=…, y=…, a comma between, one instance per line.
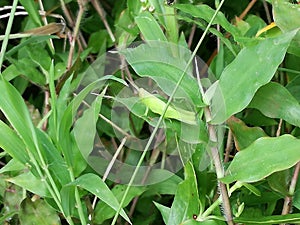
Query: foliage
x=110, y=116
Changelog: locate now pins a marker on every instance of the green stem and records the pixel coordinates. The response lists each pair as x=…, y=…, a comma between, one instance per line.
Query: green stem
x=7, y=32
x=211, y=208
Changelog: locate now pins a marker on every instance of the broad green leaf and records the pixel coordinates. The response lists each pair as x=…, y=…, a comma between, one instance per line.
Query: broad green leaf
x=206, y=222
x=253, y=67
x=149, y=27
x=103, y=211
x=97, y=187
x=165, y=62
x=15, y=110
x=212, y=30
x=31, y=8
x=10, y=72
x=244, y=135
x=164, y=210
x=12, y=144
x=166, y=187
x=13, y=165
x=134, y=7
x=12, y=198
x=39, y=55
x=265, y=156
x=53, y=158
x=275, y=101
x=30, y=40
x=296, y=197
x=280, y=181
x=66, y=122
x=31, y=183
x=28, y=68
x=186, y=202
x=37, y=212
x=293, y=87
x=85, y=140
x=288, y=219
x=160, y=11
x=256, y=118
x=205, y=12
x=282, y=8
x=171, y=26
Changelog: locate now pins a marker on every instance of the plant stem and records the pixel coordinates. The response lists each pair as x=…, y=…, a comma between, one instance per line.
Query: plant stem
x=7, y=32
x=219, y=169
x=289, y=199
x=75, y=34
x=101, y=13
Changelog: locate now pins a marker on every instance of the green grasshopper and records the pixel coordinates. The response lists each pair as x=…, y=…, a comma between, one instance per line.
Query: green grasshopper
x=157, y=106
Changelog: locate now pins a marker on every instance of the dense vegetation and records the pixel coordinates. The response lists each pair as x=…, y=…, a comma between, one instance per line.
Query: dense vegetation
x=149, y=112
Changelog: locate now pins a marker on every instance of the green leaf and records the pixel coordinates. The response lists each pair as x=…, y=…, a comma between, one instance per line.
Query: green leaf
x=37, y=212
x=39, y=55
x=164, y=210
x=166, y=187
x=30, y=40
x=286, y=23
x=212, y=30
x=85, y=140
x=171, y=26
x=31, y=183
x=149, y=27
x=53, y=158
x=205, y=12
x=253, y=67
x=165, y=62
x=293, y=88
x=275, y=101
x=280, y=181
x=256, y=118
x=97, y=187
x=66, y=122
x=185, y=203
x=12, y=144
x=206, y=222
x=15, y=110
x=31, y=8
x=244, y=135
x=289, y=219
x=264, y=157
x=103, y=211
x=12, y=165
x=29, y=69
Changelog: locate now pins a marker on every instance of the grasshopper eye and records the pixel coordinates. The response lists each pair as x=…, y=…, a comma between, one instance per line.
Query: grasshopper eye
x=170, y=2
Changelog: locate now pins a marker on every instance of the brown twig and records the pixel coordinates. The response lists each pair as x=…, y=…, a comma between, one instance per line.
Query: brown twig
x=81, y=4
x=101, y=13
x=46, y=109
x=268, y=14
x=219, y=169
x=247, y=9
x=279, y=128
x=213, y=140
x=192, y=34
x=287, y=205
x=228, y=146
x=44, y=18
